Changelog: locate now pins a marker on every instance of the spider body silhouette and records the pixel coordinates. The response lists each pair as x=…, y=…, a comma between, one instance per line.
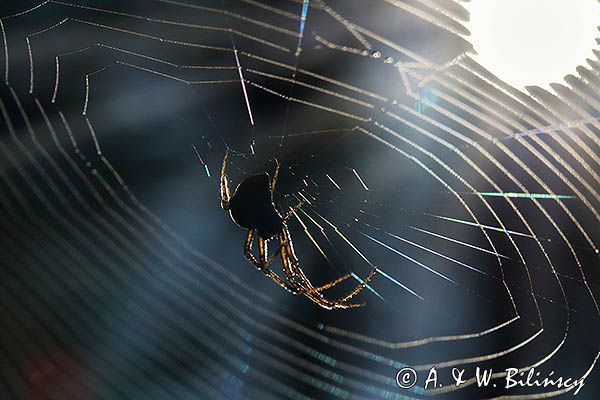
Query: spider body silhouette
x=251, y=207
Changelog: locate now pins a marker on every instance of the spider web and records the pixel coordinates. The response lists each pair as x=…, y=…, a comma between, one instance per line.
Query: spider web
x=122, y=278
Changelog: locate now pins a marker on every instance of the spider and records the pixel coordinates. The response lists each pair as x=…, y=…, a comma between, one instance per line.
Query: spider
x=251, y=207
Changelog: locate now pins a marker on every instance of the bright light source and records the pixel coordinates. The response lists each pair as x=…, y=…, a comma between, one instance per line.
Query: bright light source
x=533, y=42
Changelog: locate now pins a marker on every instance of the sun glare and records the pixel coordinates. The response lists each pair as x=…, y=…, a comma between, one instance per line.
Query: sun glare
x=533, y=42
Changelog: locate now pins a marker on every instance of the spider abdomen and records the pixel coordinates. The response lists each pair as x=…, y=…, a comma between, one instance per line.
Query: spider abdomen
x=251, y=206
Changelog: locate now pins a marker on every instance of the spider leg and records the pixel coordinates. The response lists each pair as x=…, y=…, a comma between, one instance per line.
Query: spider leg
x=290, y=261
x=330, y=304
x=293, y=210
x=292, y=270
x=358, y=288
x=288, y=268
x=263, y=251
x=263, y=267
x=346, y=306
x=340, y=303
x=330, y=284
x=225, y=193
x=248, y=250
x=293, y=260
x=275, y=175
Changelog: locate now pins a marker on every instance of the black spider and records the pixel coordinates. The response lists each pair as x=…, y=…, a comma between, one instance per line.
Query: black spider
x=252, y=208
